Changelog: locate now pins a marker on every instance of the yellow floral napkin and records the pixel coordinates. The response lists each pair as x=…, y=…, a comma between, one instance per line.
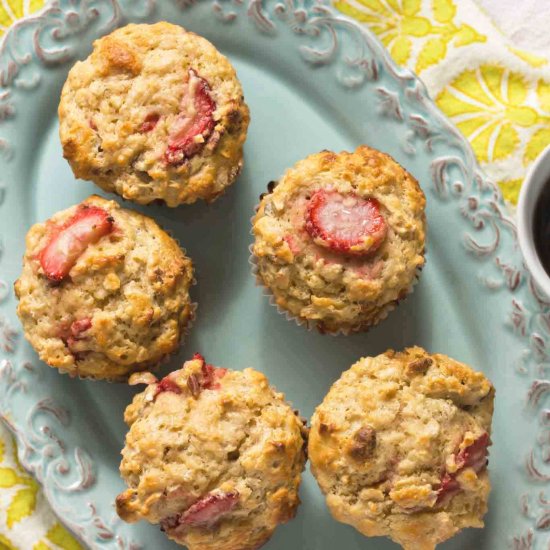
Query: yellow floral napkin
x=26, y=521
x=498, y=95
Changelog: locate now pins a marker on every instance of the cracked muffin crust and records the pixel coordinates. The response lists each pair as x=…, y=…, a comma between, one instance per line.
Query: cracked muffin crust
x=104, y=291
x=154, y=113
x=399, y=447
x=339, y=240
x=214, y=456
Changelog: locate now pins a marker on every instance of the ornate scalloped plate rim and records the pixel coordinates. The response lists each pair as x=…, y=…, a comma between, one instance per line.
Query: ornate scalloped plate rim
x=494, y=218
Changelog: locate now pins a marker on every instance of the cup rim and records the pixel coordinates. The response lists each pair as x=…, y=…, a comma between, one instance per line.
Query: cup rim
x=536, y=177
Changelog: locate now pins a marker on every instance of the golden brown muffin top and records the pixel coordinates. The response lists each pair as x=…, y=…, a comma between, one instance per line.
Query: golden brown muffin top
x=340, y=239
x=154, y=113
x=104, y=291
x=213, y=455
x=399, y=446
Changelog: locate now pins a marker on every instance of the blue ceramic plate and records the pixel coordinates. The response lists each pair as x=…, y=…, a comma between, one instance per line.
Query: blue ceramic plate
x=313, y=80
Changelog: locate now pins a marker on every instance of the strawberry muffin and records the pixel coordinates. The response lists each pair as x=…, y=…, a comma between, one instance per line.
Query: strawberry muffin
x=104, y=291
x=213, y=456
x=399, y=447
x=154, y=113
x=339, y=240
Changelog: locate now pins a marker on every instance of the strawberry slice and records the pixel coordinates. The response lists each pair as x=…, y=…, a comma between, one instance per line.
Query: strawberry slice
x=448, y=488
x=475, y=455
x=195, y=120
x=167, y=384
x=208, y=379
x=73, y=333
x=76, y=330
x=209, y=509
x=68, y=241
x=210, y=374
x=347, y=223
x=79, y=326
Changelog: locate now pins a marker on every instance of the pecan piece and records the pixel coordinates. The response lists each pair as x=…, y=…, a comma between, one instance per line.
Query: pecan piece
x=419, y=366
x=364, y=443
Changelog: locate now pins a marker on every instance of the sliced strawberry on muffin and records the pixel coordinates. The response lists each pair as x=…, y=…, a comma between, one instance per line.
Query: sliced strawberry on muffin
x=206, y=512
x=68, y=241
x=196, y=122
x=345, y=223
x=473, y=454
x=149, y=123
x=207, y=378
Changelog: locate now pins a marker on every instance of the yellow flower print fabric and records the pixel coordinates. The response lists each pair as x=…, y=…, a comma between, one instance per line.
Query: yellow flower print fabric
x=399, y=23
x=489, y=105
x=12, y=10
x=26, y=521
x=495, y=93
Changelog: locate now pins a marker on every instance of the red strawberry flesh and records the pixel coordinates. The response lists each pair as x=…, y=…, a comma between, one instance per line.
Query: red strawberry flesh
x=80, y=326
x=69, y=241
x=449, y=487
x=209, y=509
x=198, y=357
x=207, y=380
x=167, y=385
x=149, y=123
x=73, y=333
x=347, y=224
x=474, y=456
x=211, y=375
x=195, y=120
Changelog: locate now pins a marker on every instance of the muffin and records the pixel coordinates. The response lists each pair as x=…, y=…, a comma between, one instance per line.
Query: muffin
x=104, y=291
x=214, y=456
x=399, y=447
x=339, y=240
x=154, y=113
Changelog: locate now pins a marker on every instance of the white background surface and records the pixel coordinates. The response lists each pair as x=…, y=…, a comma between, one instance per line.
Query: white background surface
x=525, y=22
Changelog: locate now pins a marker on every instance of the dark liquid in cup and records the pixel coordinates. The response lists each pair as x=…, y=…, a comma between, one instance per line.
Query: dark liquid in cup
x=541, y=227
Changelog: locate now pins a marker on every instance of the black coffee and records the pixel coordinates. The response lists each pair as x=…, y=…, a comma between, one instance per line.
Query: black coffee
x=541, y=227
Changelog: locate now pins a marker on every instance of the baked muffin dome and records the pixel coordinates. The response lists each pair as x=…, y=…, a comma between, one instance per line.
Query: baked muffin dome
x=104, y=291
x=154, y=113
x=340, y=239
x=399, y=447
x=214, y=456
